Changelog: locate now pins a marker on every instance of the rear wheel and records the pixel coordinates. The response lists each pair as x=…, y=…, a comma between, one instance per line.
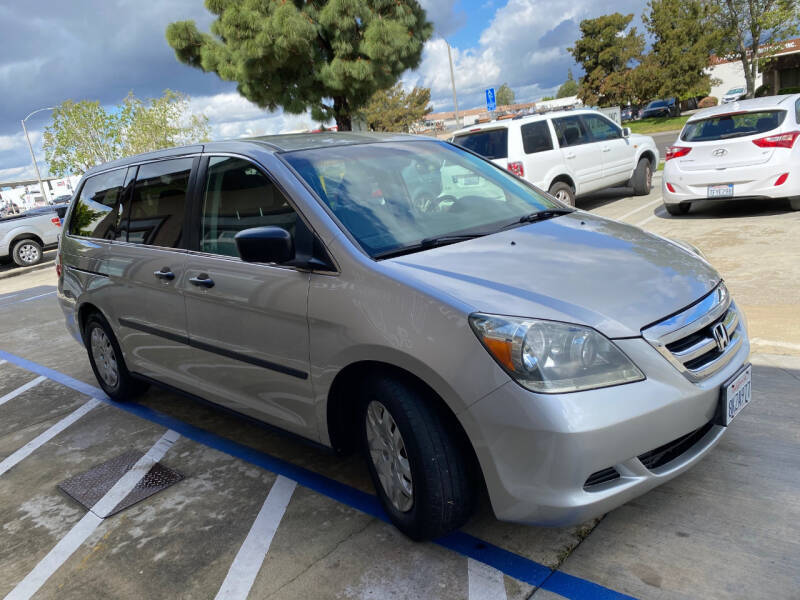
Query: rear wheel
x=418, y=464
x=642, y=180
x=563, y=192
x=27, y=253
x=107, y=362
x=678, y=209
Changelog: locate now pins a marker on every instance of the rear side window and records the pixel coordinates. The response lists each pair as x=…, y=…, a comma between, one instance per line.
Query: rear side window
x=94, y=214
x=725, y=127
x=571, y=131
x=158, y=204
x=490, y=143
x=602, y=129
x=536, y=137
x=237, y=197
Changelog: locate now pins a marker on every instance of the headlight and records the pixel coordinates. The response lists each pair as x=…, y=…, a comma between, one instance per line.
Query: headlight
x=553, y=357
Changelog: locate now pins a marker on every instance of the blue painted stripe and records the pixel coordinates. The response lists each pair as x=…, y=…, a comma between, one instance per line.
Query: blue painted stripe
x=507, y=562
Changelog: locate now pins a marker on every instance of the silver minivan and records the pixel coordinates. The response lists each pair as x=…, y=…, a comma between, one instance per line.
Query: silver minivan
x=405, y=298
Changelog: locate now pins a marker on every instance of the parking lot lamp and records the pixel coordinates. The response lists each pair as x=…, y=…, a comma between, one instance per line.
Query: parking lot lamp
x=30, y=147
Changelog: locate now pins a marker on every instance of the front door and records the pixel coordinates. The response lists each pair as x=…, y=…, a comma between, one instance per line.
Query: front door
x=580, y=155
x=247, y=322
x=145, y=268
x=616, y=150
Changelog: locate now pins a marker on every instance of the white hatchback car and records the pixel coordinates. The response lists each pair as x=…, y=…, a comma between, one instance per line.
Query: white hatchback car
x=742, y=150
x=568, y=153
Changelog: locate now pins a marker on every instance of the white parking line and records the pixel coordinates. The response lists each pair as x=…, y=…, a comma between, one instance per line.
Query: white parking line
x=485, y=582
x=2, y=362
x=635, y=210
x=253, y=551
x=46, y=436
x=35, y=297
x=655, y=215
x=10, y=296
x=90, y=521
x=22, y=389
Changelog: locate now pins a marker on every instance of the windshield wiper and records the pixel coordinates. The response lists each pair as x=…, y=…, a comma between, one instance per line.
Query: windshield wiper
x=430, y=242
x=542, y=215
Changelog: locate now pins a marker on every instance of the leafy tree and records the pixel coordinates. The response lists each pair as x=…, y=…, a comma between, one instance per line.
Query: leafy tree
x=569, y=87
x=546, y=98
x=683, y=38
x=83, y=134
x=329, y=56
x=397, y=110
x=606, y=53
x=747, y=24
x=504, y=95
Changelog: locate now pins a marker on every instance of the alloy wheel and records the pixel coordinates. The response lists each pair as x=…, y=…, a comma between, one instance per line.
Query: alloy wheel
x=104, y=358
x=28, y=253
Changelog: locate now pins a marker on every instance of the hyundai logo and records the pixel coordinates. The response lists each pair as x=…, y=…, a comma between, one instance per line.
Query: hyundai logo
x=719, y=152
x=721, y=336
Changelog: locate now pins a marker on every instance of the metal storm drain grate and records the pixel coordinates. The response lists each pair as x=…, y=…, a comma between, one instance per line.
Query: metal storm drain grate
x=89, y=487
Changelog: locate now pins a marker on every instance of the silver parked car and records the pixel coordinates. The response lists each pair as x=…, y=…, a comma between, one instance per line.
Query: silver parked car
x=24, y=236
x=406, y=298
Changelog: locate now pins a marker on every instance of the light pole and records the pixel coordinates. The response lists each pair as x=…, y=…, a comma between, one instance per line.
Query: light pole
x=33, y=157
x=453, y=82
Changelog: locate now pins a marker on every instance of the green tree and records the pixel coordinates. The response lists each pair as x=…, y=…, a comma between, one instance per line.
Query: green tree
x=504, y=95
x=397, y=110
x=329, y=56
x=606, y=50
x=747, y=24
x=683, y=38
x=569, y=87
x=84, y=134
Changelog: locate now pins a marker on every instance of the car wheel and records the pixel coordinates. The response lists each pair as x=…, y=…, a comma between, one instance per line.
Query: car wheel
x=107, y=362
x=419, y=467
x=794, y=203
x=678, y=209
x=642, y=179
x=563, y=192
x=27, y=253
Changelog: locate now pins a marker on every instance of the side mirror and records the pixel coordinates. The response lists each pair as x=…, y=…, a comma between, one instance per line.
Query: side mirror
x=626, y=132
x=265, y=244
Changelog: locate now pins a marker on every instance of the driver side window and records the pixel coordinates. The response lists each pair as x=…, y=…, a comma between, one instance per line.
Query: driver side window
x=602, y=129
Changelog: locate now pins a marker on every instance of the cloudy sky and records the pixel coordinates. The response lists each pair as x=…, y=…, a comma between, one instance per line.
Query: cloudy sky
x=51, y=50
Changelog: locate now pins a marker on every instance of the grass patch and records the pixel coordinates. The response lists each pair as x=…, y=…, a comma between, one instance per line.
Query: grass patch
x=654, y=125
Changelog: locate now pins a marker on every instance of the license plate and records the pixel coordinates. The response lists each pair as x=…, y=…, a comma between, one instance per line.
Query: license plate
x=736, y=394
x=720, y=191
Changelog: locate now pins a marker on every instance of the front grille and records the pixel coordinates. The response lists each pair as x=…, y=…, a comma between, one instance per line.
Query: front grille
x=687, y=339
x=670, y=451
x=602, y=476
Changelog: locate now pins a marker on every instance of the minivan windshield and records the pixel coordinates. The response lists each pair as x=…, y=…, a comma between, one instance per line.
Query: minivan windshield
x=733, y=125
x=394, y=197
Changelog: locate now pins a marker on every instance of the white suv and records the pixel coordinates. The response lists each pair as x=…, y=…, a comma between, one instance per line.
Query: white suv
x=568, y=153
x=740, y=150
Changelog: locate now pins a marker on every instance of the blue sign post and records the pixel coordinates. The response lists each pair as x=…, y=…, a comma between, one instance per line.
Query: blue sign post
x=491, y=102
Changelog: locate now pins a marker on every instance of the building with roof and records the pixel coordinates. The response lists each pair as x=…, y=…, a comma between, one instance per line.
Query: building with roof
x=781, y=71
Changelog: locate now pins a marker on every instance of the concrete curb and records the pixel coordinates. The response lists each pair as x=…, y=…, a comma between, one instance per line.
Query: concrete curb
x=22, y=270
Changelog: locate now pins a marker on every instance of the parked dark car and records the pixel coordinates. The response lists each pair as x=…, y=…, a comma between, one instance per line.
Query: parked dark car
x=629, y=113
x=666, y=107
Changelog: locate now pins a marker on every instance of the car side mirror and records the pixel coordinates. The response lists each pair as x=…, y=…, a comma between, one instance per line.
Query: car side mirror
x=626, y=132
x=265, y=244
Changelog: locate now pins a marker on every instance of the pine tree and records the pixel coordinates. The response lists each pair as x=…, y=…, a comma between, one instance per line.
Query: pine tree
x=329, y=56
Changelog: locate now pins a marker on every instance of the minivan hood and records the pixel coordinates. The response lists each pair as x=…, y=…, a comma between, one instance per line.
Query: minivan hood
x=578, y=268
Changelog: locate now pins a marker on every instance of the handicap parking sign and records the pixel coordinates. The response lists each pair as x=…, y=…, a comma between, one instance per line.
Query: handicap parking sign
x=491, y=103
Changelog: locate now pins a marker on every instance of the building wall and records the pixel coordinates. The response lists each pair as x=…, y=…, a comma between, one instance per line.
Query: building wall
x=731, y=75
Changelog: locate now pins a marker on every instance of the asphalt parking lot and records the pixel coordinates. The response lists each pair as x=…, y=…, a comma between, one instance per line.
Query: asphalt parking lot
x=263, y=515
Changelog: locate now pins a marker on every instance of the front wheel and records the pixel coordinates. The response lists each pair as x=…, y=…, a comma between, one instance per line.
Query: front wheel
x=418, y=464
x=678, y=209
x=27, y=253
x=642, y=179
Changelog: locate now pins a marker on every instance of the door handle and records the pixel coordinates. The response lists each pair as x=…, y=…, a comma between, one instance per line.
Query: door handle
x=202, y=280
x=165, y=273
x=571, y=155
x=606, y=149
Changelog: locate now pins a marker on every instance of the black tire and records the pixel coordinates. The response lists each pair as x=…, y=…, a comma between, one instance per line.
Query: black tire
x=125, y=387
x=642, y=180
x=678, y=209
x=27, y=253
x=441, y=467
x=563, y=192
x=794, y=203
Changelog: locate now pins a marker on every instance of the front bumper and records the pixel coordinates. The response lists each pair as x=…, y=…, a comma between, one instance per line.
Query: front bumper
x=537, y=451
x=757, y=181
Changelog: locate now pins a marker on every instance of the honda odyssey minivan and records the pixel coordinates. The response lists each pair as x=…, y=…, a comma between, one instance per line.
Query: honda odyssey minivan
x=407, y=299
